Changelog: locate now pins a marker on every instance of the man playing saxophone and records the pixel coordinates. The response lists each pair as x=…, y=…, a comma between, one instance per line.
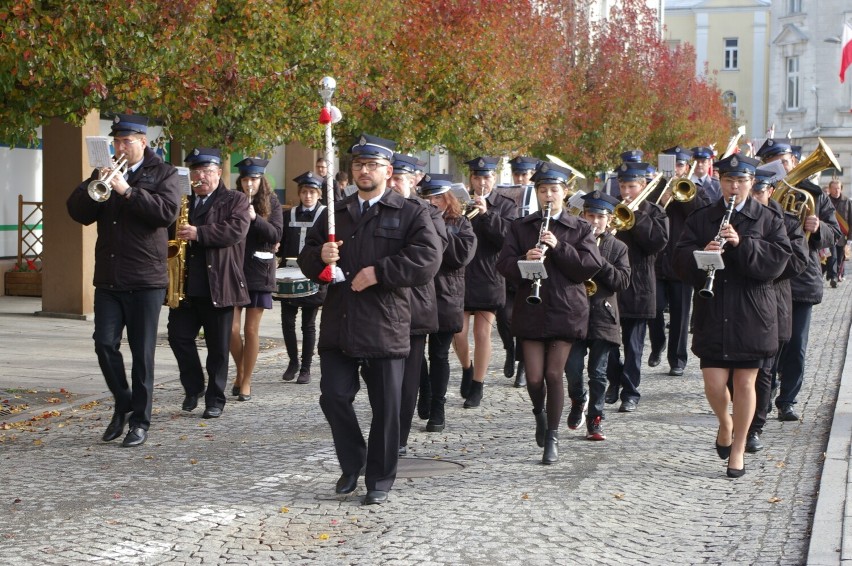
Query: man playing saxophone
x=130, y=270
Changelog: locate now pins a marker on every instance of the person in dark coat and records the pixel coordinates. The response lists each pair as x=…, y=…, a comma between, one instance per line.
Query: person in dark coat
x=636, y=304
x=449, y=291
x=611, y=183
x=548, y=327
x=267, y=223
x=705, y=183
x=671, y=292
x=385, y=245
x=299, y=220
x=822, y=231
x=215, y=284
x=843, y=213
x=485, y=288
x=735, y=329
x=130, y=270
x=604, y=330
x=762, y=191
x=424, y=315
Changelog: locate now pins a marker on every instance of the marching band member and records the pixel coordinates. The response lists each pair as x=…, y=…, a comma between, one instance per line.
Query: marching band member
x=637, y=303
x=548, y=328
x=755, y=253
x=449, y=290
x=424, y=315
x=215, y=284
x=671, y=292
x=130, y=270
x=604, y=332
x=385, y=244
x=485, y=290
x=267, y=223
x=300, y=219
x=630, y=156
x=807, y=287
x=704, y=182
x=843, y=213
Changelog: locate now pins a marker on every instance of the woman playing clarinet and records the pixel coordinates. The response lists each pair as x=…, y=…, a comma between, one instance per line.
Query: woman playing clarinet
x=558, y=313
x=735, y=322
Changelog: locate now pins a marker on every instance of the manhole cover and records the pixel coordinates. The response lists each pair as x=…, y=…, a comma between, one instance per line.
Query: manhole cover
x=425, y=467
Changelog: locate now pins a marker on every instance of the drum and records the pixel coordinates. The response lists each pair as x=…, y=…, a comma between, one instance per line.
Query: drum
x=291, y=284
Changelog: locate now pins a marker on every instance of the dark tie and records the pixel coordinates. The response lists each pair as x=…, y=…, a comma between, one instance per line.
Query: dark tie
x=365, y=206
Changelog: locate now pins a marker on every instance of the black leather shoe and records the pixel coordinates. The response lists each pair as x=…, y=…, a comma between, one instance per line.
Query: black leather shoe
x=115, y=428
x=466, y=380
x=136, y=437
x=190, y=402
x=551, y=447
x=654, y=359
x=290, y=373
x=735, y=473
x=212, y=413
x=676, y=372
x=246, y=397
x=753, y=443
x=235, y=390
x=304, y=377
x=509, y=364
x=376, y=497
x=346, y=483
x=724, y=452
x=786, y=413
x=627, y=406
x=403, y=450
x=540, y=427
x=611, y=394
x=521, y=376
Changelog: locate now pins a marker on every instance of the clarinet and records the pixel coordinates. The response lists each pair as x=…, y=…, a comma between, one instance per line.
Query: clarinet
x=707, y=291
x=535, y=294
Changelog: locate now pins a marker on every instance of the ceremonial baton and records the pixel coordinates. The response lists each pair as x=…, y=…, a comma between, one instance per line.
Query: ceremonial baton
x=326, y=91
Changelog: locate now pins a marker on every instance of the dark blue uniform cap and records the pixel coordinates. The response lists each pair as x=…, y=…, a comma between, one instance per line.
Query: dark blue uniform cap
x=632, y=156
x=520, y=164
x=372, y=146
x=547, y=172
x=796, y=150
x=252, y=166
x=681, y=155
x=127, y=124
x=773, y=147
x=599, y=203
x=762, y=180
x=404, y=164
x=702, y=152
x=650, y=172
x=309, y=179
x=482, y=165
x=736, y=166
x=434, y=184
x=202, y=156
x=632, y=171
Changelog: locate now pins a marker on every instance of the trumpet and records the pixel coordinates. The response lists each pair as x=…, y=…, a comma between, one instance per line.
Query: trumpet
x=535, y=293
x=100, y=189
x=590, y=285
x=623, y=217
x=707, y=291
x=470, y=208
x=682, y=188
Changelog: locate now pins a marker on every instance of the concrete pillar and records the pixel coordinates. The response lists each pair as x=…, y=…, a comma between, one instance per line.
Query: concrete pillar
x=297, y=160
x=69, y=247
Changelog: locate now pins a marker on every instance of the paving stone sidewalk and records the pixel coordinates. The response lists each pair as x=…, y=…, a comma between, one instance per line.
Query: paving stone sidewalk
x=256, y=486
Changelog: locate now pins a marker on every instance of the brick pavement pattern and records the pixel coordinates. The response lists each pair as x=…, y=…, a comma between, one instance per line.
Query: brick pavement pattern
x=256, y=486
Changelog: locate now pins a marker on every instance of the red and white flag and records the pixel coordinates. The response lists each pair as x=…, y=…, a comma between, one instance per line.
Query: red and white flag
x=845, y=50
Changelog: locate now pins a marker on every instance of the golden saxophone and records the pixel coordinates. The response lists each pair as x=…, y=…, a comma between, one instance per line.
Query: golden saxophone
x=177, y=259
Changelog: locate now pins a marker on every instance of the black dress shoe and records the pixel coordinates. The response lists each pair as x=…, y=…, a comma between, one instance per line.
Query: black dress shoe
x=136, y=437
x=611, y=394
x=627, y=406
x=509, y=364
x=753, y=443
x=654, y=359
x=190, y=402
x=735, y=473
x=786, y=413
x=723, y=451
x=212, y=413
x=521, y=376
x=676, y=372
x=246, y=397
x=540, y=427
x=346, y=483
x=403, y=450
x=235, y=391
x=466, y=380
x=376, y=497
x=304, y=377
x=291, y=371
x=115, y=428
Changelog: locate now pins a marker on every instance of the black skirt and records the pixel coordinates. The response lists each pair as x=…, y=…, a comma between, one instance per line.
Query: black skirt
x=733, y=364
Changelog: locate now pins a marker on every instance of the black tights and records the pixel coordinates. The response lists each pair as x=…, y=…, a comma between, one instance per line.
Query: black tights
x=545, y=363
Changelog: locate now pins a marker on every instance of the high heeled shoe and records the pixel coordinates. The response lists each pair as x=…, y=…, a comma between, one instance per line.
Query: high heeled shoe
x=735, y=473
x=723, y=451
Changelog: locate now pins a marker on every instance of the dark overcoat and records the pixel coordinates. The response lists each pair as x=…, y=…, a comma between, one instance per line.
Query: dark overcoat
x=739, y=323
x=398, y=239
x=564, y=309
x=676, y=213
x=424, y=309
x=262, y=236
x=449, y=282
x=613, y=278
x=644, y=241
x=807, y=287
x=485, y=288
x=132, y=245
x=797, y=263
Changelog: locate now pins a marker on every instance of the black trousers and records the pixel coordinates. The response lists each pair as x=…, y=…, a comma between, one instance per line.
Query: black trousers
x=678, y=297
x=339, y=384
x=192, y=315
x=309, y=332
x=139, y=312
x=410, y=386
x=628, y=374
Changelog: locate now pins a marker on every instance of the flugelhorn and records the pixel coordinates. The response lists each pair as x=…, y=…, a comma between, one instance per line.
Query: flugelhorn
x=623, y=217
x=100, y=189
x=535, y=293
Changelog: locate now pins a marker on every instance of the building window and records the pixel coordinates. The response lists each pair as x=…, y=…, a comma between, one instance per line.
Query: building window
x=792, y=83
x=794, y=6
x=731, y=54
x=729, y=99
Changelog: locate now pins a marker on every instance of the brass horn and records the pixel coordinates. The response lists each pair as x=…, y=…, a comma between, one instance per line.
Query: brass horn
x=100, y=189
x=623, y=217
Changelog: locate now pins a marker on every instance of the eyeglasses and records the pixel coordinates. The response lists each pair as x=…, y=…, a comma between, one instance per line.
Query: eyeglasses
x=125, y=141
x=206, y=171
x=369, y=166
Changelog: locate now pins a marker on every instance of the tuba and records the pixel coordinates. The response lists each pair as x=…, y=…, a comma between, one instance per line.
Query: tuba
x=176, y=259
x=623, y=217
x=799, y=201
